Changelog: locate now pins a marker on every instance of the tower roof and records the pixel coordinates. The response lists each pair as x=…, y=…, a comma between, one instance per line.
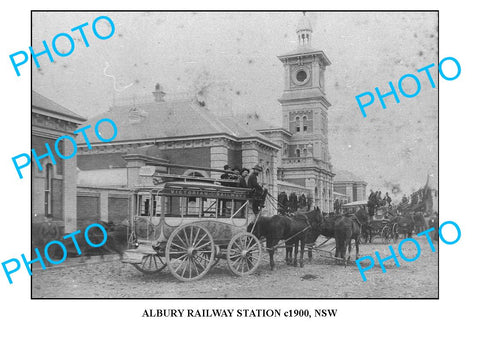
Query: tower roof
x=304, y=24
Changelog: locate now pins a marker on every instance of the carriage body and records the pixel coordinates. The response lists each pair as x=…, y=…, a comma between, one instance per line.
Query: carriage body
x=381, y=225
x=188, y=225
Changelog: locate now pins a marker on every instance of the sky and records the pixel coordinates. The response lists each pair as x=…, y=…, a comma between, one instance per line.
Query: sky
x=231, y=59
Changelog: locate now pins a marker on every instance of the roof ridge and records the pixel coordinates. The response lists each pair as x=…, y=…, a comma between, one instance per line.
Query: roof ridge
x=54, y=103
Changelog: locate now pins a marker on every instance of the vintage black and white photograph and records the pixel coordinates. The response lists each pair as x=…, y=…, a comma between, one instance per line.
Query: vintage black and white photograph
x=238, y=154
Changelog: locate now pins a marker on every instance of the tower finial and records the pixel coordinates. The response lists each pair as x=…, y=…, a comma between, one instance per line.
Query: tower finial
x=304, y=31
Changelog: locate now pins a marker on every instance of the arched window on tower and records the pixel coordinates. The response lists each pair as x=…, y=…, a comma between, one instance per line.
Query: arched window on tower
x=297, y=152
x=305, y=153
x=297, y=123
x=304, y=121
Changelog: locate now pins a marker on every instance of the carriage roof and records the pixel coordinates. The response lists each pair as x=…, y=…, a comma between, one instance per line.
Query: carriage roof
x=354, y=204
x=197, y=189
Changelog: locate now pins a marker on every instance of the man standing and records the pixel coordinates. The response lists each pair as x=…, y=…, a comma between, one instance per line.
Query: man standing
x=336, y=206
x=388, y=199
x=259, y=193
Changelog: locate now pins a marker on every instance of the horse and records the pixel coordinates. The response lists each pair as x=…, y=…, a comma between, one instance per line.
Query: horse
x=280, y=227
x=346, y=229
x=405, y=225
x=367, y=228
x=303, y=225
x=329, y=228
x=326, y=228
x=420, y=222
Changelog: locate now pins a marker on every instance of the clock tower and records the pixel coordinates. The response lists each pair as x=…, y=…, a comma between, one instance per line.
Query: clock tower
x=306, y=159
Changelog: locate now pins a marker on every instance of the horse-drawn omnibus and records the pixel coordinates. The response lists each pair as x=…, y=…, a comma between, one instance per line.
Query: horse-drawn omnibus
x=187, y=224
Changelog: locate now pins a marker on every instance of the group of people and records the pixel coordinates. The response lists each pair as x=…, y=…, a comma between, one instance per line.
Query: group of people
x=375, y=200
x=244, y=179
x=288, y=204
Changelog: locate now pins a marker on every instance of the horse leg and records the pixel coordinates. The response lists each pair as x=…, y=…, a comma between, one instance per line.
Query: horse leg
x=302, y=250
x=271, y=250
x=349, y=243
x=310, y=255
x=357, y=248
x=338, y=248
x=288, y=251
x=296, y=253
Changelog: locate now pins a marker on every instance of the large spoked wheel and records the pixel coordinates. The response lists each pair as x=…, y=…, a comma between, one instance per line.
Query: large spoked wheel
x=387, y=233
x=244, y=253
x=151, y=264
x=190, y=252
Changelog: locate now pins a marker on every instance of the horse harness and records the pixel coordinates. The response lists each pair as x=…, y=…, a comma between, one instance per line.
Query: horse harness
x=301, y=231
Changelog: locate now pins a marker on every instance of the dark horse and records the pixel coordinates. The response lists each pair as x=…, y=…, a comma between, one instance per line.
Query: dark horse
x=343, y=229
x=307, y=224
x=292, y=230
x=405, y=224
x=346, y=229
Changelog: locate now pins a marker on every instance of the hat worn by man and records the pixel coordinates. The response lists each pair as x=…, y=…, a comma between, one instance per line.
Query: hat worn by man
x=257, y=167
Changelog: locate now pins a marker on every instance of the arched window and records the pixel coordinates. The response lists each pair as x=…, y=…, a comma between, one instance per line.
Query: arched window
x=305, y=153
x=297, y=152
x=48, y=189
x=297, y=123
x=195, y=173
x=304, y=121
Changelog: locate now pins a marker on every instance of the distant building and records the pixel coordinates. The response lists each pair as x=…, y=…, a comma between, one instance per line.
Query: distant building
x=53, y=188
x=349, y=185
x=342, y=198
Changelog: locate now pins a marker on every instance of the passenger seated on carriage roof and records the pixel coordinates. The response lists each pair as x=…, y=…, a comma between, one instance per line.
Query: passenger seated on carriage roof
x=242, y=180
x=228, y=175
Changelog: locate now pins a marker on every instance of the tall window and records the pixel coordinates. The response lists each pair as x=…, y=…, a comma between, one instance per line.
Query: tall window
x=305, y=152
x=297, y=152
x=304, y=121
x=48, y=190
x=297, y=123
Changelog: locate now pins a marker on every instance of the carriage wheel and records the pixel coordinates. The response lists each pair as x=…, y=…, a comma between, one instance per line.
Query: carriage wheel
x=151, y=264
x=387, y=233
x=244, y=253
x=190, y=252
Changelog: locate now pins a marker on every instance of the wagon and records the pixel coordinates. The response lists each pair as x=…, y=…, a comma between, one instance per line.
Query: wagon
x=381, y=225
x=187, y=224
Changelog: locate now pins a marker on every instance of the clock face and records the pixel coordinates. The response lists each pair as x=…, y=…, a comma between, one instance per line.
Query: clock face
x=301, y=76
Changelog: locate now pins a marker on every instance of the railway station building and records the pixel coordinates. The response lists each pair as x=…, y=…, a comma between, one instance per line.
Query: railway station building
x=165, y=132
x=54, y=188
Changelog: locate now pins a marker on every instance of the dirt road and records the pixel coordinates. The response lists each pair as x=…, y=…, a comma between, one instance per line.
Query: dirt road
x=320, y=279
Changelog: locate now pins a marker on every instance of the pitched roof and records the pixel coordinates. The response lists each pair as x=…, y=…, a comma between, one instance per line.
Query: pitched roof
x=49, y=105
x=171, y=119
x=254, y=121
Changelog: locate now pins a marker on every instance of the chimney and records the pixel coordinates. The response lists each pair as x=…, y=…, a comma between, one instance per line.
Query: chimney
x=158, y=93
